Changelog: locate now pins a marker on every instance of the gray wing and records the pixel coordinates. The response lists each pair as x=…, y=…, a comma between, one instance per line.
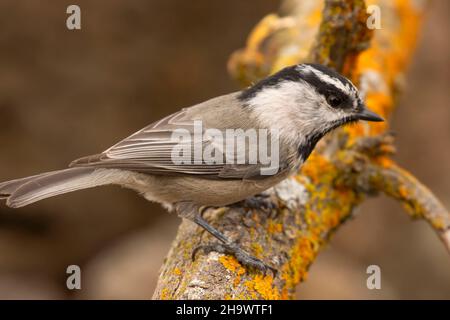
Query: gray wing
x=150, y=151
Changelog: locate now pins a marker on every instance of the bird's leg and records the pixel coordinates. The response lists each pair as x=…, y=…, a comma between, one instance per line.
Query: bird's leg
x=228, y=247
x=225, y=246
x=198, y=219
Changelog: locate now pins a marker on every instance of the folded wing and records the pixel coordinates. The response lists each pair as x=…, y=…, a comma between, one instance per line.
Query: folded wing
x=150, y=150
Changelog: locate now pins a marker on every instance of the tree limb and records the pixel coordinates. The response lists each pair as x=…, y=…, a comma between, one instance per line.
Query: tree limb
x=345, y=167
x=417, y=199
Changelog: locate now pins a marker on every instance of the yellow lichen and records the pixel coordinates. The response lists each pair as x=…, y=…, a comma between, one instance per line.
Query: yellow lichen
x=274, y=227
x=257, y=249
x=403, y=191
x=388, y=56
x=330, y=202
x=263, y=285
x=384, y=162
x=230, y=263
x=301, y=255
x=177, y=271
x=317, y=167
x=165, y=294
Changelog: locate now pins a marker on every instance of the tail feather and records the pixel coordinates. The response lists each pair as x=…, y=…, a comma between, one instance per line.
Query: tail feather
x=22, y=192
x=8, y=187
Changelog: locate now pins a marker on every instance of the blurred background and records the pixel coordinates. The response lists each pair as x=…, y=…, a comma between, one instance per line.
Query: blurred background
x=66, y=94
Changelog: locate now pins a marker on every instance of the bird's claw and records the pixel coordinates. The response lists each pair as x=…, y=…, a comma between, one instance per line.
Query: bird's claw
x=243, y=257
x=259, y=202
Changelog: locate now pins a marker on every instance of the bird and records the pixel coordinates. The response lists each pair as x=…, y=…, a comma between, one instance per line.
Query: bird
x=295, y=107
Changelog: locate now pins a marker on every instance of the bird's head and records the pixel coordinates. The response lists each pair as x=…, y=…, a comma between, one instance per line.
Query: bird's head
x=306, y=101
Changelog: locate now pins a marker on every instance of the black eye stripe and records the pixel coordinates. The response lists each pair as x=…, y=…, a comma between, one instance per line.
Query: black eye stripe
x=324, y=88
x=334, y=101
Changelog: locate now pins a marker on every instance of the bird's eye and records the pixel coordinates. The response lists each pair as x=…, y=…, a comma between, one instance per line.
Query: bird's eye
x=334, y=101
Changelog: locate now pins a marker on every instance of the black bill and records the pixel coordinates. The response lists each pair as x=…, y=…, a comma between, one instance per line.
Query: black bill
x=366, y=114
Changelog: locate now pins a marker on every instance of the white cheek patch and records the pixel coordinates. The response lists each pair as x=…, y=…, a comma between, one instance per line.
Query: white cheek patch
x=276, y=107
x=295, y=109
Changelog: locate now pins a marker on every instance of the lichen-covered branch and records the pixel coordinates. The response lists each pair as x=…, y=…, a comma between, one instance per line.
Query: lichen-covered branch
x=417, y=199
x=343, y=36
x=347, y=166
x=368, y=169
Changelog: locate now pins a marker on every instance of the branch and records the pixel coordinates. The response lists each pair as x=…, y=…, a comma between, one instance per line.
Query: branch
x=367, y=168
x=417, y=199
x=345, y=167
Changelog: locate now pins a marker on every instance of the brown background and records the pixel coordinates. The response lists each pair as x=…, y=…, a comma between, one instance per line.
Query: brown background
x=66, y=94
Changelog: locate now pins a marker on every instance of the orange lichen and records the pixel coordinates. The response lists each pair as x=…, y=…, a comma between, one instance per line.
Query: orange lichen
x=330, y=203
x=301, y=255
x=165, y=294
x=263, y=285
x=403, y=191
x=316, y=168
x=328, y=206
x=274, y=227
x=439, y=223
x=256, y=219
x=311, y=217
x=231, y=263
x=330, y=200
x=177, y=271
x=321, y=218
x=257, y=249
x=384, y=162
x=389, y=55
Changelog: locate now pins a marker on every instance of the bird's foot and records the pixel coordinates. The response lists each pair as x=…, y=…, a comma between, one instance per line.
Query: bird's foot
x=259, y=201
x=242, y=256
x=225, y=246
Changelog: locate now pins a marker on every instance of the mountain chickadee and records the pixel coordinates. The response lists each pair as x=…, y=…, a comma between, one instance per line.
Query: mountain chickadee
x=301, y=102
